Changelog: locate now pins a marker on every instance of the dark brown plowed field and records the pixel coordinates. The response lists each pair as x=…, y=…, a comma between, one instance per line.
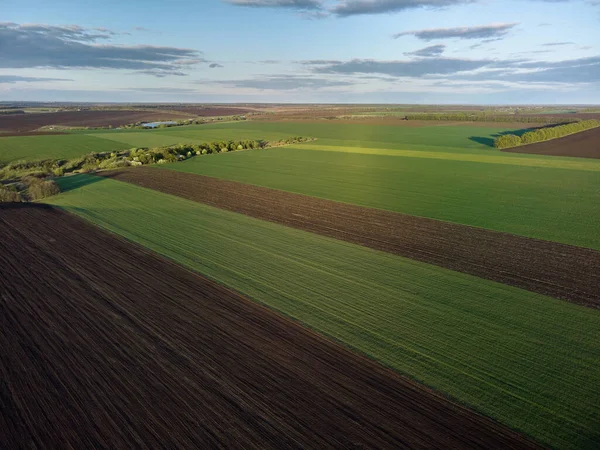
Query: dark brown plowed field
x=91, y=118
x=585, y=144
x=105, y=345
x=562, y=271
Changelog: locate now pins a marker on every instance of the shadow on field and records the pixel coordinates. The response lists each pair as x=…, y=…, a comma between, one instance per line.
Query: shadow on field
x=73, y=182
x=488, y=141
x=24, y=205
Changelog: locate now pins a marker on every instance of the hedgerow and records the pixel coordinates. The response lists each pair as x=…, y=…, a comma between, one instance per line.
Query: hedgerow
x=30, y=180
x=544, y=134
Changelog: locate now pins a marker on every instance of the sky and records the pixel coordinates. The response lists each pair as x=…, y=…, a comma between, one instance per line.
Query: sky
x=301, y=51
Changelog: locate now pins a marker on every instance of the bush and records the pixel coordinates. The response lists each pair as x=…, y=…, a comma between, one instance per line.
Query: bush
x=529, y=137
x=9, y=195
x=40, y=188
x=507, y=141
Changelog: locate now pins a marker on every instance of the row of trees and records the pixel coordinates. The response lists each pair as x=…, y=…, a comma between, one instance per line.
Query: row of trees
x=16, y=171
x=544, y=134
x=183, y=151
x=483, y=117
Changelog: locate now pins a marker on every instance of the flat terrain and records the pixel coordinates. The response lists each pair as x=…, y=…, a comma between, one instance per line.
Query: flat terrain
x=550, y=203
x=54, y=147
x=527, y=360
x=208, y=111
x=562, y=271
x=30, y=122
x=443, y=172
x=30, y=133
x=106, y=345
x=585, y=144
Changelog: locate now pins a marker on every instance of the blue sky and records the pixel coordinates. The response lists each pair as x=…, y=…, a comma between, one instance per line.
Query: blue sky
x=353, y=51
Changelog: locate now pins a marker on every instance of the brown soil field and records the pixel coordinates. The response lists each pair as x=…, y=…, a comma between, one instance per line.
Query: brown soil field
x=105, y=345
x=89, y=118
x=209, y=111
x=585, y=144
x=558, y=270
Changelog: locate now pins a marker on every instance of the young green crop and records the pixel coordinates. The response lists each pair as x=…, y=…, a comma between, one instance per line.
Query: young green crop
x=60, y=146
x=554, y=204
x=526, y=360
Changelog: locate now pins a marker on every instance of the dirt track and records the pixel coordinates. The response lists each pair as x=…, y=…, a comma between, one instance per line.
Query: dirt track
x=562, y=271
x=585, y=144
x=105, y=345
x=91, y=118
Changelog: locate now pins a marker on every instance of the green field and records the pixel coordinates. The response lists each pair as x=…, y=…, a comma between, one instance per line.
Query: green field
x=442, y=171
x=547, y=203
x=59, y=146
x=464, y=139
x=187, y=135
x=527, y=360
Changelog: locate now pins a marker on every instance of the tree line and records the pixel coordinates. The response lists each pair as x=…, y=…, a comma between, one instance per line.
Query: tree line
x=544, y=134
x=32, y=180
x=483, y=117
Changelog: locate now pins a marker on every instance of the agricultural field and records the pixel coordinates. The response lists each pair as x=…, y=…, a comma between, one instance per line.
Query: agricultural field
x=585, y=144
x=89, y=118
x=204, y=359
x=61, y=146
x=561, y=271
x=488, y=345
x=517, y=195
x=469, y=273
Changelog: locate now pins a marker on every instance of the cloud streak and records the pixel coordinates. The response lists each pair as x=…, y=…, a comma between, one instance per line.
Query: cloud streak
x=411, y=68
x=16, y=78
x=45, y=46
x=492, y=31
x=286, y=83
x=557, y=44
x=346, y=8
x=302, y=5
x=318, y=62
x=428, y=52
x=318, y=9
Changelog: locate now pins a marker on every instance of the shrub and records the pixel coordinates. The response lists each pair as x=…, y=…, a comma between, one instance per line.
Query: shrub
x=42, y=189
x=507, y=141
x=9, y=195
x=528, y=137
